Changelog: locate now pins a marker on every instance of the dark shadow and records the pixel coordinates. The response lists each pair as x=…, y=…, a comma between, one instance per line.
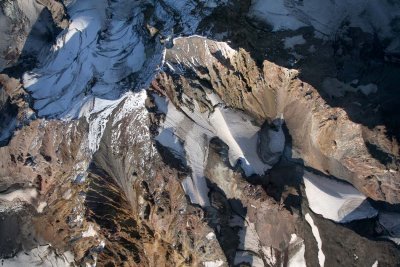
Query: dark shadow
x=225, y=216
x=381, y=156
x=283, y=181
x=8, y=114
x=171, y=159
x=362, y=58
x=11, y=230
x=157, y=106
x=220, y=216
x=371, y=228
x=39, y=40
x=108, y=207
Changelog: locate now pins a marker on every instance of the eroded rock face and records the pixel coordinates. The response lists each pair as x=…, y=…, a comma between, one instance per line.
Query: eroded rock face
x=15, y=107
x=134, y=142
x=27, y=26
x=35, y=168
x=263, y=227
x=232, y=74
x=42, y=152
x=329, y=141
x=324, y=137
x=138, y=201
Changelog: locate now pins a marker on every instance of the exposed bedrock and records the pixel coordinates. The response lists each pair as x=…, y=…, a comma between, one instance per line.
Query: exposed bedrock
x=37, y=169
x=138, y=201
x=324, y=137
x=121, y=206
x=329, y=141
x=41, y=153
x=250, y=226
x=15, y=107
x=128, y=141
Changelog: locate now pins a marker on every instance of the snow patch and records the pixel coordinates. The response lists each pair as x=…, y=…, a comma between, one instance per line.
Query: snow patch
x=67, y=194
x=97, y=112
x=297, y=259
x=238, y=132
x=275, y=14
x=368, y=89
x=41, y=206
x=247, y=257
x=315, y=231
x=291, y=42
x=336, y=200
x=167, y=138
x=210, y=236
x=391, y=222
x=44, y=256
x=28, y=195
x=216, y=263
x=90, y=232
x=270, y=255
x=189, y=17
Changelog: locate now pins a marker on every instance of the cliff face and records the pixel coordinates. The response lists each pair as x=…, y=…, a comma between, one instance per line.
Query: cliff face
x=324, y=137
x=198, y=133
x=28, y=26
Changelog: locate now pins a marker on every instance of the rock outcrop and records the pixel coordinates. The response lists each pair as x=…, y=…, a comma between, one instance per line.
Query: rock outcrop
x=27, y=27
x=325, y=138
x=196, y=133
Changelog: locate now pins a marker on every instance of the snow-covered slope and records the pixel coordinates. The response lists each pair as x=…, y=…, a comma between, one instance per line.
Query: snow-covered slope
x=45, y=256
x=109, y=132
x=188, y=133
x=391, y=222
x=297, y=259
x=335, y=200
x=91, y=57
x=101, y=50
x=327, y=17
x=97, y=112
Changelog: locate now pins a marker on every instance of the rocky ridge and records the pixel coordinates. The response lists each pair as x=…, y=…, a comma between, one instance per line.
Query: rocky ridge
x=154, y=168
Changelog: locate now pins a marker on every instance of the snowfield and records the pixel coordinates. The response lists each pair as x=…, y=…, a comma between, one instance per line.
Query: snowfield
x=334, y=200
x=97, y=53
x=327, y=17
x=90, y=58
